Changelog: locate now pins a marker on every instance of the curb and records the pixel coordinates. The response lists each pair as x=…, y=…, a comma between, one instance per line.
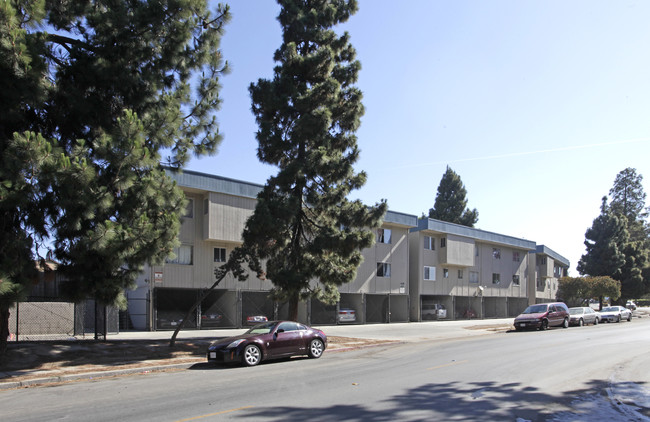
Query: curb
x=86, y=376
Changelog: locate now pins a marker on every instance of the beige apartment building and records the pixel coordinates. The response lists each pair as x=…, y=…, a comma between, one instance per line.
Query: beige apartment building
x=472, y=273
x=413, y=262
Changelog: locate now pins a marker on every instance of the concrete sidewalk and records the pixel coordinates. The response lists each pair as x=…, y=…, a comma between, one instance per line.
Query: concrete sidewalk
x=405, y=332
x=140, y=343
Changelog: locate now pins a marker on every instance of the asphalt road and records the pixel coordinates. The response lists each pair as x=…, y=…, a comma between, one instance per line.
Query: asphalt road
x=576, y=374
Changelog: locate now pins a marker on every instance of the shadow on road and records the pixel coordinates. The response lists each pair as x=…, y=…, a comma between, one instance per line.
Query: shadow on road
x=484, y=401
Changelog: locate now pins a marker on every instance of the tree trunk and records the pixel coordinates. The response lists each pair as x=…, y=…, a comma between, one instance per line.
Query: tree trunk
x=4, y=329
x=172, y=342
x=293, y=307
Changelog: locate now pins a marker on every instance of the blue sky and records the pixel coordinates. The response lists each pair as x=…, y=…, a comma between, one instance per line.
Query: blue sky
x=537, y=105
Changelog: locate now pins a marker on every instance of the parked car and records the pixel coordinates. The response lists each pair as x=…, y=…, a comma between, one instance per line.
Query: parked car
x=583, y=315
x=542, y=316
x=434, y=311
x=255, y=319
x=631, y=305
x=615, y=314
x=347, y=315
x=269, y=340
x=211, y=320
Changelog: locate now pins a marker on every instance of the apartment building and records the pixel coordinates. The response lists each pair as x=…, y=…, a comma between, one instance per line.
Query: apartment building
x=472, y=273
x=415, y=264
x=211, y=228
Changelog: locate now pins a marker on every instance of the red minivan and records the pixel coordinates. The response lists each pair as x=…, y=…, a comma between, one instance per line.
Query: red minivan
x=543, y=315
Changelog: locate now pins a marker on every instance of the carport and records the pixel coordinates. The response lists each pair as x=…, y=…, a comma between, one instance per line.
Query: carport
x=256, y=304
x=495, y=307
x=219, y=309
x=377, y=309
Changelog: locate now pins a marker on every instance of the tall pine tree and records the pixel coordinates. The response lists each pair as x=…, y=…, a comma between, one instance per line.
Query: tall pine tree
x=88, y=107
x=304, y=229
x=605, y=242
x=451, y=201
x=628, y=202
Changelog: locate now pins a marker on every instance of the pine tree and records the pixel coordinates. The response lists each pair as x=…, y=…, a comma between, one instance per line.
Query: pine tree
x=628, y=202
x=87, y=110
x=605, y=243
x=306, y=231
x=451, y=201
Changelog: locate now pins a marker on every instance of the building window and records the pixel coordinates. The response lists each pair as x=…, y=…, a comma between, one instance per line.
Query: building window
x=430, y=273
x=429, y=243
x=183, y=255
x=219, y=254
x=496, y=278
x=515, y=280
x=515, y=256
x=541, y=260
x=189, y=209
x=206, y=206
x=443, y=242
x=496, y=253
x=383, y=269
x=473, y=276
x=445, y=273
x=383, y=235
x=460, y=274
x=540, y=284
x=475, y=250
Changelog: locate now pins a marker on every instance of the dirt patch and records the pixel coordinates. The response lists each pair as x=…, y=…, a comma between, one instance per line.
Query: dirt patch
x=30, y=360
x=495, y=327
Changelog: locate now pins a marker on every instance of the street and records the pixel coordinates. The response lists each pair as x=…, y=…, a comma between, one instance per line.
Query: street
x=576, y=374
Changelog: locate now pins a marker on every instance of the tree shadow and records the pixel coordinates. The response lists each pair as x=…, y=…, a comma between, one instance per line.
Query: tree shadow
x=473, y=401
x=29, y=356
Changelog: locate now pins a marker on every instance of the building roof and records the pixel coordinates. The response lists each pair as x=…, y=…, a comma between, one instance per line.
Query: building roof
x=473, y=233
x=194, y=180
x=545, y=250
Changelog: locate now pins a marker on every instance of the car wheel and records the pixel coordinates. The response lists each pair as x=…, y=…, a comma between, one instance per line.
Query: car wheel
x=618, y=318
x=581, y=323
x=565, y=324
x=316, y=348
x=544, y=325
x=252, y=355
x=629, y=318
x=596, y=321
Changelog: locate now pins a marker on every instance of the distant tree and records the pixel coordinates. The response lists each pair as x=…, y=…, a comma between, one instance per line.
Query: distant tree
x=306, y=231
x=87, y=109
x=627, y=196
x=605, y=243
x=451, y=201
x=575, y=291
x=602, y=287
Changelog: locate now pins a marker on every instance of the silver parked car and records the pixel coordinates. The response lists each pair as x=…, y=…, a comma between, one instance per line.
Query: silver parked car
x=583, y=315
x=615, y=314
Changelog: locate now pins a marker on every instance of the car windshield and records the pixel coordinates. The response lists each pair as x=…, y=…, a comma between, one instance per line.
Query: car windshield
x=264, y=328
x=535, y=309
x=610, y=309
x=576, y=311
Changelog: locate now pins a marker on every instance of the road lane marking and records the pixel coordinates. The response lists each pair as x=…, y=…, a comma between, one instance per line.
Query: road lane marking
x=447, y=364
x=213, y=414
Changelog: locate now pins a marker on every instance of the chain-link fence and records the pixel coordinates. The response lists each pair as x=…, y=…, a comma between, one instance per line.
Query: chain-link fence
x=56, y=320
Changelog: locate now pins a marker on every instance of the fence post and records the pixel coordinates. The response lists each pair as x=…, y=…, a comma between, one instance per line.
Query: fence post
x=17, y=319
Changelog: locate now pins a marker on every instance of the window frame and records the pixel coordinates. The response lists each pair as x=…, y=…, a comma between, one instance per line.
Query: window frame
x=384, y=236
x=222, y=251
x=385, y=269
x=181, y=257
x=431, y=271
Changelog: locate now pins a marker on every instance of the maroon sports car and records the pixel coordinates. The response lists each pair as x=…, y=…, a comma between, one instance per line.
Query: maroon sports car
x=269, y=340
